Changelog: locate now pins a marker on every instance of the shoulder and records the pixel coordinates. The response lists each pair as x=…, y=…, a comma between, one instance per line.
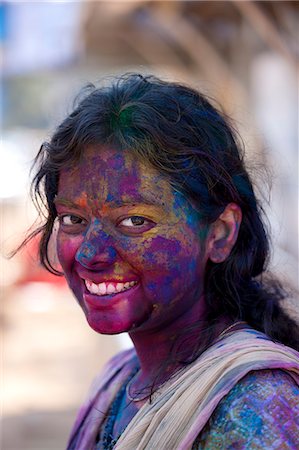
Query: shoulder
x=260, y=411
x=120, y=359
x=123, y=361
x=102, y=390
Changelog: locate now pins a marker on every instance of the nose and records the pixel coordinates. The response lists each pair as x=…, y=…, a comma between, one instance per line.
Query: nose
x=96, y=251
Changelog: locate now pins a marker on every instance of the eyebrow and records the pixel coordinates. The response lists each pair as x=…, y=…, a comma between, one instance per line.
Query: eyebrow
x=66, y=202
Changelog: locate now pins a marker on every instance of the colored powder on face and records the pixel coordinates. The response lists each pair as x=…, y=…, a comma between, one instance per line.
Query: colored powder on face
x=111, y=252
x=164, y=256
x=82, y=201
x=193, y=217
x=117, y=163
x=88, y=251
x=203, y=234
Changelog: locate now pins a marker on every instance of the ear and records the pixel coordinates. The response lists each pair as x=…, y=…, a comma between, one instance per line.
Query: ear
x=223, y=233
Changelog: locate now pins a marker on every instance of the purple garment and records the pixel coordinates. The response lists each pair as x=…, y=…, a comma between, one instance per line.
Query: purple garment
x=92, y=414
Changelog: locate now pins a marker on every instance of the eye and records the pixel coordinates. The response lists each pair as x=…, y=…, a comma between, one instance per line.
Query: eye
x=136, y=225
x=71, y=219
x=134, y=221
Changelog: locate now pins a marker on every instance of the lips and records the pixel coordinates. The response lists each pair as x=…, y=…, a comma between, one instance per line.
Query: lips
x=108, y=295
x=108, y=287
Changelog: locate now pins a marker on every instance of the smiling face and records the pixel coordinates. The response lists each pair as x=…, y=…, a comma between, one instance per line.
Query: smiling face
x=129, y=246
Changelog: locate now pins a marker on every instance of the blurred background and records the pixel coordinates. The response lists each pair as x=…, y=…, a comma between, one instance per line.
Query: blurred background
x=242, y=53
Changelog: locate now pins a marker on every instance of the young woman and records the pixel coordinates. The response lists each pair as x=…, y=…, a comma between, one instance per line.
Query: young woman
x=160, y=235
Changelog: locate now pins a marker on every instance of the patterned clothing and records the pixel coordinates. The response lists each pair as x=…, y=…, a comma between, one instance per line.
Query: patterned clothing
x=260, y=412
x=227, y=399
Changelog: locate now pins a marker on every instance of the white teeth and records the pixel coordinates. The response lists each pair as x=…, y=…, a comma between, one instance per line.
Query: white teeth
x=119, y=287
x=111, y=289
x=88, y=283
x=93, y=288
x=102, y=289
x=108, y=288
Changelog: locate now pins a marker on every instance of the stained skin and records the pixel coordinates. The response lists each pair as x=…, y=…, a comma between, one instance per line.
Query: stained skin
x=165, y=253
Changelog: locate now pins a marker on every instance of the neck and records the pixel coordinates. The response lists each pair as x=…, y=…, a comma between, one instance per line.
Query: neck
x=175, y=342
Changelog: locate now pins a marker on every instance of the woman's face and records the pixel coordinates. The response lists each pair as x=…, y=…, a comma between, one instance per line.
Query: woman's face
x=132, y=249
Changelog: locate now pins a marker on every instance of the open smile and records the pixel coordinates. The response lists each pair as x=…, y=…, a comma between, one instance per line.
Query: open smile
x=108, y=287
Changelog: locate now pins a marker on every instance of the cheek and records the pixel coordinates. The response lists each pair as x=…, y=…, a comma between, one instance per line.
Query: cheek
x=66, y=250
x=166, y=265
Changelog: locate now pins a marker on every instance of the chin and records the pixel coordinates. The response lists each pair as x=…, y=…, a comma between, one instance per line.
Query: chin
x=104, y=325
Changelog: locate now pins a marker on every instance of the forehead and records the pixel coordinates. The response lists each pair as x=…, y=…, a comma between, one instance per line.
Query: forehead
x=108, y=174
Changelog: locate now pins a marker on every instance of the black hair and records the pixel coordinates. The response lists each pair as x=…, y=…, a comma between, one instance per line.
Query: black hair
x=178, y=131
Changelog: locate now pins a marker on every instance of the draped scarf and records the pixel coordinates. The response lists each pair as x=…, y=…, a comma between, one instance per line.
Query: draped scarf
x=182, y=406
